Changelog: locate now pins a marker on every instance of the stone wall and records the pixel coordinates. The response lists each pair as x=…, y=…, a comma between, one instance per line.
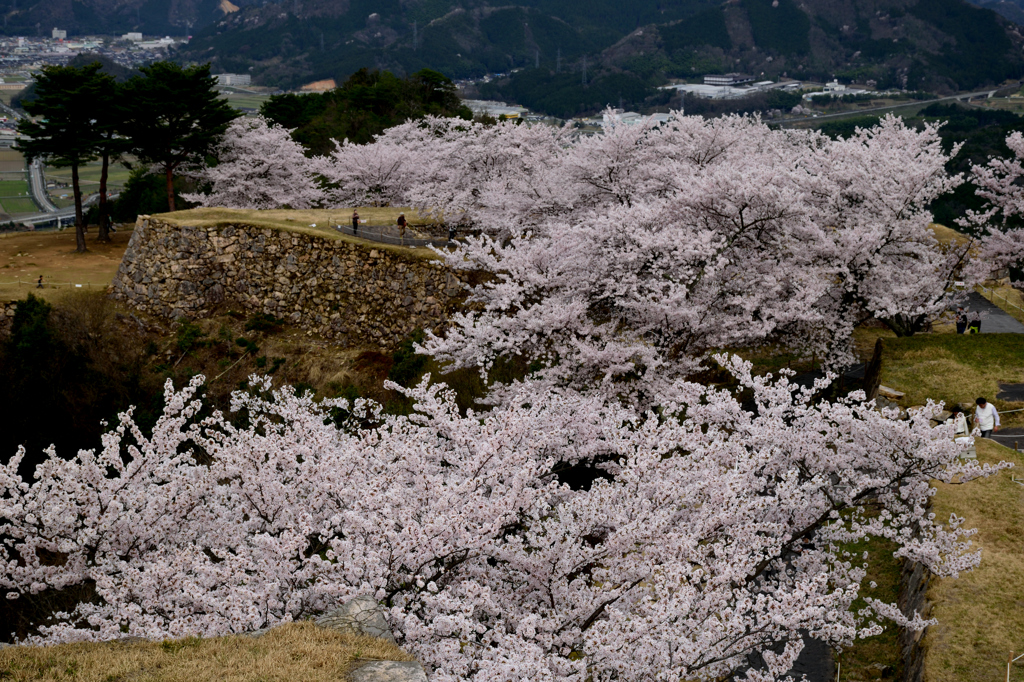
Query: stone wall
x=914, y=582
x=7, y=309
x=349, y=291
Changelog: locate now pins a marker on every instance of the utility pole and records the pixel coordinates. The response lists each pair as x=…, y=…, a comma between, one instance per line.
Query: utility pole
x=558, y=61
x=584, y=69
x=321, y=41
x=415, y=36
x=536, y=59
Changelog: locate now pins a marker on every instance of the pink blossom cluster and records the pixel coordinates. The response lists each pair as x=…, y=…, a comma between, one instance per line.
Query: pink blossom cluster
x=1001, y=183
x=259, y=166
x=714, y=531
x=625, y=257
x=714, y=523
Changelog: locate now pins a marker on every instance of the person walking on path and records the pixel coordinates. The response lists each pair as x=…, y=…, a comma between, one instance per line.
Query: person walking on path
x=961, y=320
x=986, y=417
x=355, y=223
x=401, y=225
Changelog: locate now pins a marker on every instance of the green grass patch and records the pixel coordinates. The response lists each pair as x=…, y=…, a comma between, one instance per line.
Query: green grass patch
x=23, y=205
x=14, y=188
x=955, y=368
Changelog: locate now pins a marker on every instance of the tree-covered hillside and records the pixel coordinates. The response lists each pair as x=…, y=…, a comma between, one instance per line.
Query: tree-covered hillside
x=625, y=49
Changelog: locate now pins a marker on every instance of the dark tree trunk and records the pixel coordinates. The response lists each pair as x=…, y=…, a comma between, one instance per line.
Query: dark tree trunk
x=79, y=220
x=170, y=189
x=905, y=325
x=104, y=227
x=873, y=372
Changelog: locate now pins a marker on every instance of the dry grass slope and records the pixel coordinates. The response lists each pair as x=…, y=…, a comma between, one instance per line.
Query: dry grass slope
x=981, y=614
x=297, y=651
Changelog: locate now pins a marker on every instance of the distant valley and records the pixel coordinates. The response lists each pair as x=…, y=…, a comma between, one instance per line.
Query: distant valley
x=565, y=57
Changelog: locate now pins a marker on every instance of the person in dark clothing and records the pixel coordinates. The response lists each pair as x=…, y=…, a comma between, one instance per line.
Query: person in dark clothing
x=961, y=320
x=355, y=223
x=402, y=223
x=39, y=284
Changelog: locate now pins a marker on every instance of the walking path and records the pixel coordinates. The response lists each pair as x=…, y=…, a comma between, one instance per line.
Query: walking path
x=994, y=319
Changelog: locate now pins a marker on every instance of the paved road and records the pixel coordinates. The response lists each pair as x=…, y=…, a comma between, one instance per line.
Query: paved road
x=994, y=320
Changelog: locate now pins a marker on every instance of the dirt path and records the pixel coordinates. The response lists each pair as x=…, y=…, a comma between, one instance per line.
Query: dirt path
x=24, y=256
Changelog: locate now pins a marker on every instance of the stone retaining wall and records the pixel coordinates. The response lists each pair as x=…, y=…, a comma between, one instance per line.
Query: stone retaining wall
x=914, y=582
x=7, y=309
x=344, y=290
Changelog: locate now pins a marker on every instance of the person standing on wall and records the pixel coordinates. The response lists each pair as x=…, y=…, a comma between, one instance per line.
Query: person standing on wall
x=355, y=223
x=402, y=223
x=986, y=417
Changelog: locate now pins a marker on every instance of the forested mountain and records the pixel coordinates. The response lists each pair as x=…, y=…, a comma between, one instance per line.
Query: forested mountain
x=941, y=45
x=1011, y=9
x=78, y=17
x=589, y=54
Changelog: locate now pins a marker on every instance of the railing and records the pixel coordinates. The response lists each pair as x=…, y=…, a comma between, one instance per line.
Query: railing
x=385, y=238
x=993, y=295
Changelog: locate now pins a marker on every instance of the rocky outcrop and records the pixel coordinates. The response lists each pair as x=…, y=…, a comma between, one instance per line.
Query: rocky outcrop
x=389, y=671
x=345, y=290
x=361, y=615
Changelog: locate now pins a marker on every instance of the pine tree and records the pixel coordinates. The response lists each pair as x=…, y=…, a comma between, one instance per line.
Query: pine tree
x=174, y=117
x=63, y=130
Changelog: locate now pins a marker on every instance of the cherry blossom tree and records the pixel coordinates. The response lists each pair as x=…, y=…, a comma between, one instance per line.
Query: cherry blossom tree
x=377, y=174
x=259, y=166
x=1000, y=183
x=656, y=245
x=708, y=532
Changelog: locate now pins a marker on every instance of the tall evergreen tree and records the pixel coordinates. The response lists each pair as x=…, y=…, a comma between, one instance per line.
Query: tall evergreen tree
x=174, y=117
x=63, y=129
x=110, y=115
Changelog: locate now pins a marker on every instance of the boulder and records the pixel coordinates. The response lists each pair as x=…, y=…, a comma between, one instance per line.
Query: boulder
x=361, y=615
x=389, y=671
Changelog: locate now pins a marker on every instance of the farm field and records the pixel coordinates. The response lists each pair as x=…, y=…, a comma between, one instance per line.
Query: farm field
x=89, y=177
x=14, y=188
x=11, y=160
x=18, y=205
x=245, y=100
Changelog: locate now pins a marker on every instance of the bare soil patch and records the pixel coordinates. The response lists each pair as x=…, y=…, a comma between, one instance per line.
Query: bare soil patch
x=24, y=256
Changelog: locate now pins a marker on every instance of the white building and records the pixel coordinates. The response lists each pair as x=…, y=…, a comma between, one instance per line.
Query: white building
x=58, y=34
x=233, y=79
x=727, y=79
x=134, y=37
x=834, y=86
